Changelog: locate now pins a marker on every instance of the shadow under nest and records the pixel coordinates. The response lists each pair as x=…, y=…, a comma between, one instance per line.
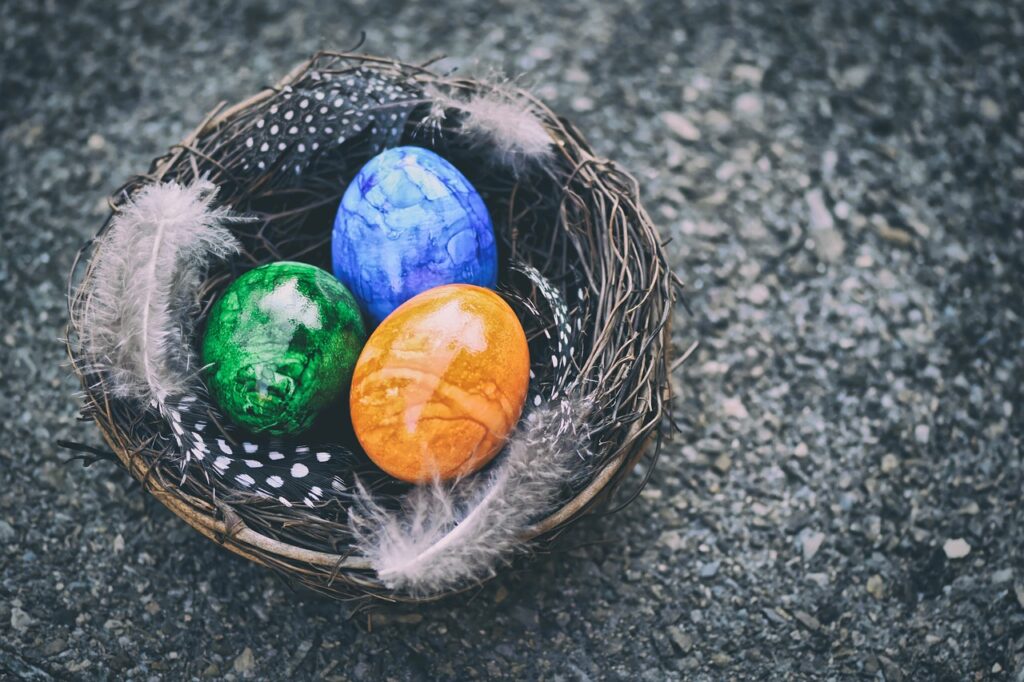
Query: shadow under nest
x=576, y=218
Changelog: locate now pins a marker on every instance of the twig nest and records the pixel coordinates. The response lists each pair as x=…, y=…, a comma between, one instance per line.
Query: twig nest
x=577, y=259
x=440, y=384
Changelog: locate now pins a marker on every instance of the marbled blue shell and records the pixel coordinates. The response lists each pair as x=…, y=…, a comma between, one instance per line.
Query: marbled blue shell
x=408, y=222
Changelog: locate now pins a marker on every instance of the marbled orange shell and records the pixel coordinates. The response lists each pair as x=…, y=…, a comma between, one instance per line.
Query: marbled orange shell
x=440, y=384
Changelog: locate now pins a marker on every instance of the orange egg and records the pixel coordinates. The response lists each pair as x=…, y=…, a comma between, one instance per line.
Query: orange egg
x=440, y=384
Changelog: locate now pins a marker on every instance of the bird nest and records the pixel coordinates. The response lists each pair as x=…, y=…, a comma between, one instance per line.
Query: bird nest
x=558, y=210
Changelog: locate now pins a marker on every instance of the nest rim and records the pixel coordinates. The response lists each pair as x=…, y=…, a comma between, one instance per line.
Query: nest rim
x=344, y=576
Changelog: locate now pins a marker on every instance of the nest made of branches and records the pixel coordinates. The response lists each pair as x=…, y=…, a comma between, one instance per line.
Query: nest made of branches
x=577, y=219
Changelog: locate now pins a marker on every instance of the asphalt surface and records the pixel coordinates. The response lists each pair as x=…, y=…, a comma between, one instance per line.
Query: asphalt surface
x=842, y=184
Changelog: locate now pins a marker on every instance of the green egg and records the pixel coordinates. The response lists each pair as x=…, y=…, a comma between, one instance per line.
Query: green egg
x=280, y=345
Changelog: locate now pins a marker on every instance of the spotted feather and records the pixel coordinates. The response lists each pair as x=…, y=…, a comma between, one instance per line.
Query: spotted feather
x=290, y=474
x=297, y=125
x=553, y=373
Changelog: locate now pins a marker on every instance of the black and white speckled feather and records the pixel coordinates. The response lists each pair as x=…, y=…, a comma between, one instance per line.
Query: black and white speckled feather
x=298, y=125
x=292, y=474
x=548, y=377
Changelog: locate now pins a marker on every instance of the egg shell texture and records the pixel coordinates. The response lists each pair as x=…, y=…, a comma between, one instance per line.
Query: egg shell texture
x=281, y=344
x=440, y=384
x=410, y=221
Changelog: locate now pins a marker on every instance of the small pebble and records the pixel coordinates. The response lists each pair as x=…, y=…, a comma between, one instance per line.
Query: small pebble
x=989, y=109
x=819, y=579
x=722, y=463
x=681, y=126
x=890, y=463
x=54, y=646
x=7, y=532
x=682, y=640
x=758, y=294
x=829, y=243
x=709, y=569
x=956, y=548
x=809, y=621
x=734, y=408
x=748, y=73
x=821, y=218
x=582, y=104
x=1001, y=576
x=811, y=544
x=854, y=77
x=245, y=662
x=748, y=105
x=20, y=620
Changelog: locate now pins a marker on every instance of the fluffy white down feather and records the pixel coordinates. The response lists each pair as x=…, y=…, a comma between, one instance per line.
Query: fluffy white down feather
x=501, y=123
x=447, y=535
x=147, y=268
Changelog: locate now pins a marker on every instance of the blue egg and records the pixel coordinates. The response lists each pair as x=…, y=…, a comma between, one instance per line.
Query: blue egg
x=410, y=221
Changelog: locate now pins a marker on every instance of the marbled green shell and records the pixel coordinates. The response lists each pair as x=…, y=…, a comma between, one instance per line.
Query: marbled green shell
x=280, y=345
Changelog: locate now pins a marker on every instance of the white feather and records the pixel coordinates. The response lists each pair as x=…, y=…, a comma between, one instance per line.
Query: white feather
x=148, y=266
x=447, y=535
x=500, y=122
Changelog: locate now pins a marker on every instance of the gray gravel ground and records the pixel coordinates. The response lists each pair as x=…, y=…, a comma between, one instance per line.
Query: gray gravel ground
x=843, y=184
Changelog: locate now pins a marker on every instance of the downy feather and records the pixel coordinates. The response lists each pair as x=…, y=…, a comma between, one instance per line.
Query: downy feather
x=500, y=123
x=446, y=535
x=148, y=266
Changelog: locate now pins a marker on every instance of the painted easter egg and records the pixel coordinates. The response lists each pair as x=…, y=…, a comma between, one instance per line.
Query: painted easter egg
x=280, y=345
x=410, y=221
x=440, y=384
